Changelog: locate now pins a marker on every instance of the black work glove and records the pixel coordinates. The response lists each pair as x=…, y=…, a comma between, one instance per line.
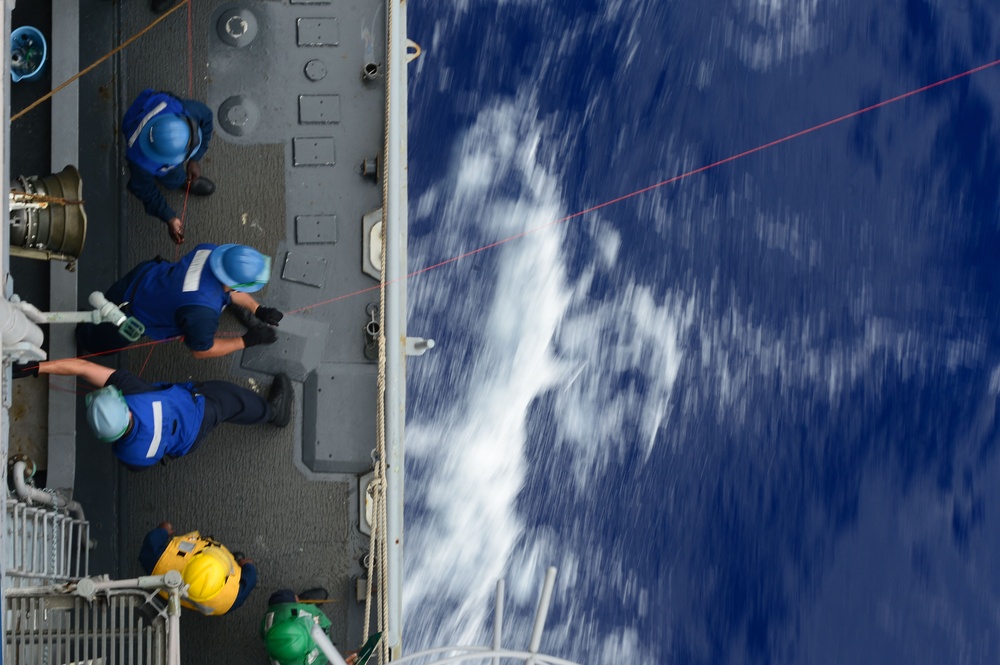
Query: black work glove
x=269, y=315
x=24, y=370
x=259, y=335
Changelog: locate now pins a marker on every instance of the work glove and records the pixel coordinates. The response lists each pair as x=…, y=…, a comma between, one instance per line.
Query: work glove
x=269, y=315
x=259, y=335
x=24, y=370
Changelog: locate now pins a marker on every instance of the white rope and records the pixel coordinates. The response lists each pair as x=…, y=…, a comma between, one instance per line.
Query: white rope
x=378, y=547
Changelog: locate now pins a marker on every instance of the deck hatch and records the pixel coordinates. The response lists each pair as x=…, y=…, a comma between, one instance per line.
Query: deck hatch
x=304, y=268
x=315, y=229
x=338, y=418
x=318, y=31
x=298, y=351
x=314, y=151
x=319, y=108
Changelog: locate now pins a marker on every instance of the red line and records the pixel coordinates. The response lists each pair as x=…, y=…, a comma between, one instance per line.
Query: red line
x=146, y=362
x=184, y=212
x=668, y=181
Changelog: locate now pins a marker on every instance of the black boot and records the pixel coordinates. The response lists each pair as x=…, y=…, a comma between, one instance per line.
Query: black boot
x=160, y=6
x=280, y=399
x=316, y=593
x=202, y=187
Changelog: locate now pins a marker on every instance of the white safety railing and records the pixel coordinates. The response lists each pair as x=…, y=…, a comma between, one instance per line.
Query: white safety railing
x=67, y=629
x=43, y=546
x=495, y=653
x=94, y=621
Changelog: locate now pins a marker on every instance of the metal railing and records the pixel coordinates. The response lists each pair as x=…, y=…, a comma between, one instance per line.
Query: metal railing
x=94, y=621
x=43, y=546
x=495, y=653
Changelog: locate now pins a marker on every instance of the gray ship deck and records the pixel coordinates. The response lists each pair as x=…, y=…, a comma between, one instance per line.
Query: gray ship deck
x=289, y=185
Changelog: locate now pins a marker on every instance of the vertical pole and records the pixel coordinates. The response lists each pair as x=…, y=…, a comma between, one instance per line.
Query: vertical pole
x=395, y=267
x=498, y=620
x=64, y=59
x=5, y=380
x=174, y=629
x=543, y=611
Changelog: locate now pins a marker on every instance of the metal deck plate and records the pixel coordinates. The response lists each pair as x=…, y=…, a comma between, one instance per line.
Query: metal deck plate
x=337, y=413
x=304, y=268
x=315, y=229
x=319, y=31
x=319, y=108
x=298, y=351
x=314, y=151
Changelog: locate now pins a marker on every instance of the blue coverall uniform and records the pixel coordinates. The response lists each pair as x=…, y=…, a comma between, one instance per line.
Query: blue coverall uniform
x=170, y=299
x=143, y=183
x=172, y=419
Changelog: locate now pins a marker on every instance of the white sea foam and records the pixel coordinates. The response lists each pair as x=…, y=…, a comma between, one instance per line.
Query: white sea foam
x=474, y=447
x=532, y=333
x=766, y=33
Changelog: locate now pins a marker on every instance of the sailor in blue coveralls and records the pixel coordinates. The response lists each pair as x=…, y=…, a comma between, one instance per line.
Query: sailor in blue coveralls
x=186, y=298
x=150, y=422
x=162, y=133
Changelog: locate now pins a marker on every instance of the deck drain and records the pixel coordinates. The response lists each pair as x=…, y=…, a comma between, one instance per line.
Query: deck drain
x=238, y=115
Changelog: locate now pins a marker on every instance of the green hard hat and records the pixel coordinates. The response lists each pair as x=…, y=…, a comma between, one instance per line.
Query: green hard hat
x=289, y=641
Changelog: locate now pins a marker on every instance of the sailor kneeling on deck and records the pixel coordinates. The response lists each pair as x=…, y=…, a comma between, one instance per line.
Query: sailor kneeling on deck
x=187, y=297
x=149, y=422
x=165, y=139
x=217, y=580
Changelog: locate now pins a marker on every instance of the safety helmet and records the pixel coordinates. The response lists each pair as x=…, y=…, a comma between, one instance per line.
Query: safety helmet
x=108, y=414
x=169, y=138
x=206, y=573
x=289, y=641
x=241, y=268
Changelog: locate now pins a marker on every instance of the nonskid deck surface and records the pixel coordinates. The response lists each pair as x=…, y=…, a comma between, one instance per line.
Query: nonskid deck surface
x=288, y=183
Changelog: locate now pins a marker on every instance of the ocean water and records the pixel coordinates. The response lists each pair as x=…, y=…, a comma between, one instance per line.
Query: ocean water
x=751, y=416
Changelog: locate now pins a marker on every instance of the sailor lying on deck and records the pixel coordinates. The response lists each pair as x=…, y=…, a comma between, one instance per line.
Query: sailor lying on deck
x=150, y=422
x=187, y=297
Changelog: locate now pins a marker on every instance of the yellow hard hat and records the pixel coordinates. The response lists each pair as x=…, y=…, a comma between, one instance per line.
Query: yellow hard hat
x=207, y=571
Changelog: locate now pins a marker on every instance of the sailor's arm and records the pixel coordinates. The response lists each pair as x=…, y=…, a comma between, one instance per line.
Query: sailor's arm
x=244, y=300
x=93, y=373
x=221, y=346
x=268, y=315
x=143, y=186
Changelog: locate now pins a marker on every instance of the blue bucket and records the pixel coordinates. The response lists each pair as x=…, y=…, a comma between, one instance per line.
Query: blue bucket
x=28, y=53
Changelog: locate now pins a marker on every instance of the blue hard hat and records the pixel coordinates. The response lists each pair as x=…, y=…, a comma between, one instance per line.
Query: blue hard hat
x=108, y=414
x=168, y=138
x=241, y=268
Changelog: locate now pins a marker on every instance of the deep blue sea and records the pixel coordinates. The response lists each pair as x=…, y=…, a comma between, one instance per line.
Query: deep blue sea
x=751, y=416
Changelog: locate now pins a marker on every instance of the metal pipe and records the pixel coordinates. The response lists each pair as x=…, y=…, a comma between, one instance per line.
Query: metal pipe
x=15, y=326
x=543, y=610
x=174, y=628
x=30, y=493
x=498, y=620
x=477, y=654
x=143, y=582
x=325, y=645
x=104, y=310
